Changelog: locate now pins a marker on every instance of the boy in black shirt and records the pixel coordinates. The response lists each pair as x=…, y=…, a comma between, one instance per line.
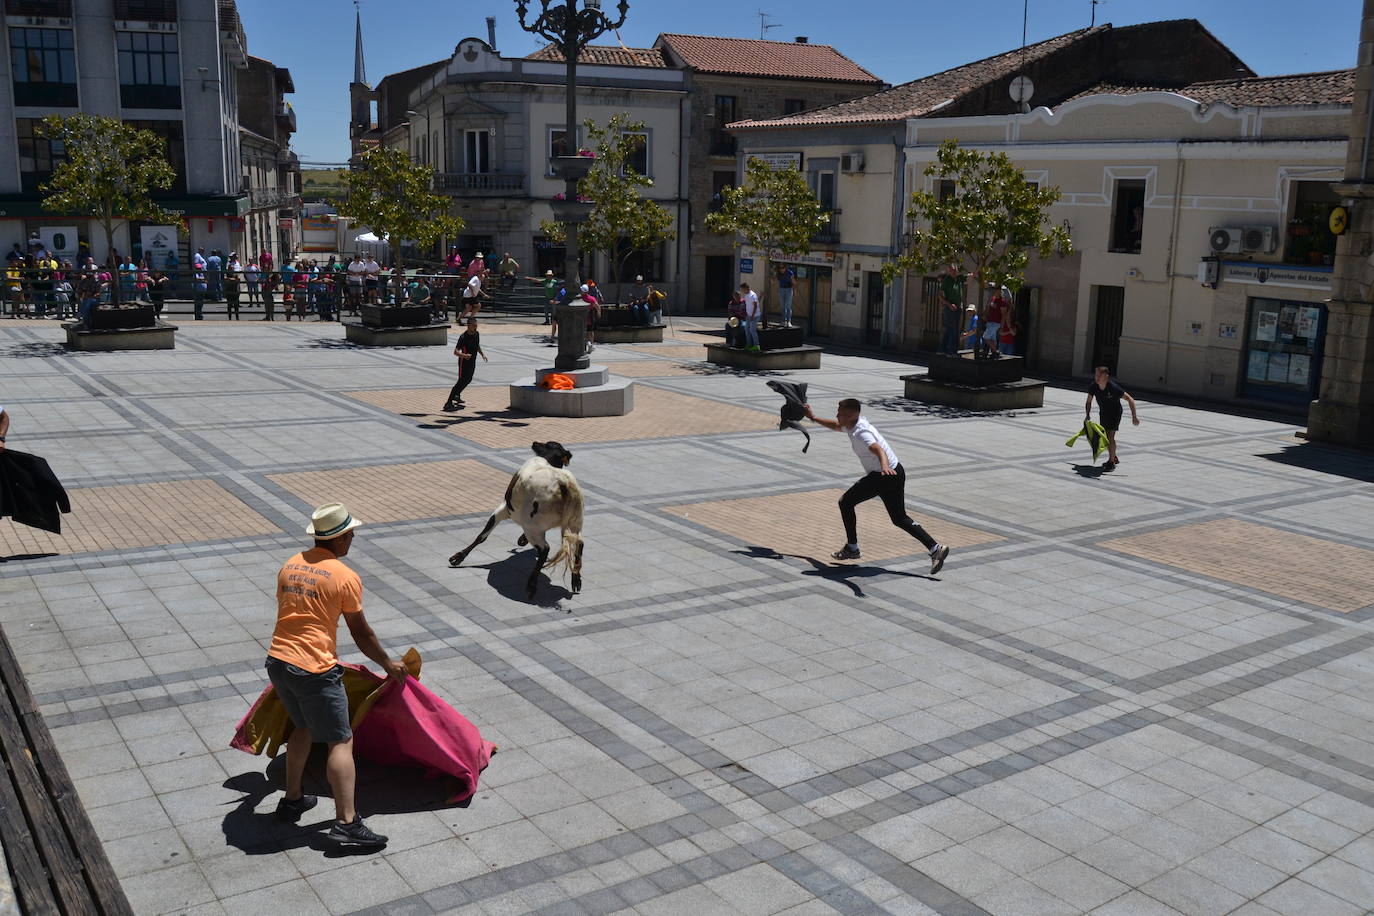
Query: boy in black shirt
x=1109, y=395
x=468, y=349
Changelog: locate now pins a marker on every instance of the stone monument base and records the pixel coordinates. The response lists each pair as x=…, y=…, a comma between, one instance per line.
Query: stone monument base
x=595, y=394
x=425, y=335
x=158, y=336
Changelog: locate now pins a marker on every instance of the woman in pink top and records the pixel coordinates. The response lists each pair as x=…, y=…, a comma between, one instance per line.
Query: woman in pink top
x=477, y=266
x=454, y=261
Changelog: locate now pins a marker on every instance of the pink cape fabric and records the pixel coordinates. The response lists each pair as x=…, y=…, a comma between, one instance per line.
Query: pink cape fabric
x=407, y=725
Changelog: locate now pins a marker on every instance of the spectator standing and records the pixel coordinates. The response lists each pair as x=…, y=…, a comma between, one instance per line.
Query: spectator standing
x=252, y=277
x=510, y=271
x=550, y=284
x=950, y=295
x=266, y=261
x=1109, y=394
x=454, y=261
x=751, y=317
x=214, y=274
x=270, y=282
x=884, y=478
x=157, y=289
x=372, y=273
x=639, y=300
x=786, y=278
x=230, y=287
x=198, y=290
x=999, y=303
x=477, y=266
x=357, y=274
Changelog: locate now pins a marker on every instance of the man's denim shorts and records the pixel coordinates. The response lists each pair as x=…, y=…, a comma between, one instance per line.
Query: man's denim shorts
x=315, y=702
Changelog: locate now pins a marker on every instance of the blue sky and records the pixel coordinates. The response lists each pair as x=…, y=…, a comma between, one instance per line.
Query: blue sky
x=898, y=40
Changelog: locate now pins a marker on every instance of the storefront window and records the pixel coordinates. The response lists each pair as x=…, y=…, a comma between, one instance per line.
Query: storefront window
x=1282, y=358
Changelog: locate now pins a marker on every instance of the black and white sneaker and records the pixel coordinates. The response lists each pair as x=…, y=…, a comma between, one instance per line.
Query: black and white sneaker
x=289, y=809
x=356, y=835
x=846, y=553
x=937, y=558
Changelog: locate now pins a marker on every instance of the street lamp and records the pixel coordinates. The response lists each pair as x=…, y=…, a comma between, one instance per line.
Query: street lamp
x=571, y=28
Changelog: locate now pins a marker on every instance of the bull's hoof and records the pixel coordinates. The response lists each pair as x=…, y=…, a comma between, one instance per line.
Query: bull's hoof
x=522, y=542
x=576, y=584
x=456, y=560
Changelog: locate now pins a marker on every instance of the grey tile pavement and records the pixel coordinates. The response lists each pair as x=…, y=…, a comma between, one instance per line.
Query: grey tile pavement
x=1048, y=727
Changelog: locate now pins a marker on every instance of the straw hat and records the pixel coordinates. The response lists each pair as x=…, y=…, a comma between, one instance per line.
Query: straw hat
x=548, y=273
x=733, y=322
x=330, y=521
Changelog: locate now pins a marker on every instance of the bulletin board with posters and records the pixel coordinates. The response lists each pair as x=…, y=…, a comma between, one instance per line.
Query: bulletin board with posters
x=1282, y=357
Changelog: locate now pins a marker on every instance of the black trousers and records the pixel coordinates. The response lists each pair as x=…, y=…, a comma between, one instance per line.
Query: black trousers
x=465, y=373
x=891, y=489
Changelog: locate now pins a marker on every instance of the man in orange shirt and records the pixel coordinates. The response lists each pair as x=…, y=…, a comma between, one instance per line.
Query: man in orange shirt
x=313, y=588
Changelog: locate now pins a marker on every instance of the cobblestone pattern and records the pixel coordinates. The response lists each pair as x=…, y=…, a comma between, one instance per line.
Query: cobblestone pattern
x=1050, y=726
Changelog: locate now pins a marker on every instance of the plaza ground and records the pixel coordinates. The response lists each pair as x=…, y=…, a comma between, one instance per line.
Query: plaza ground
x=1140, y=692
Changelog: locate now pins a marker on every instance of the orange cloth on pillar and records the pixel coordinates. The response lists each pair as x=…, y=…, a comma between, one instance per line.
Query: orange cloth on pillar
x=557, y=381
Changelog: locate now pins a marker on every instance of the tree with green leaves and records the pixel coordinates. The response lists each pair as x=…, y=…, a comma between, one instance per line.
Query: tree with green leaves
x=991, y=223
x=622, y=221
x=394, y=197
x=107, y=171
x=774, y=211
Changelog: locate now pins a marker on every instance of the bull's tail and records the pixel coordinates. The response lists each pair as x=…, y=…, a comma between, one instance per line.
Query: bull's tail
x=570, y=521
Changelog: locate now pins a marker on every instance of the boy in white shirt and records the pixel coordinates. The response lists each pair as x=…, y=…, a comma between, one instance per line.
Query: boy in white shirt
x=752, y=312
x=885, y=479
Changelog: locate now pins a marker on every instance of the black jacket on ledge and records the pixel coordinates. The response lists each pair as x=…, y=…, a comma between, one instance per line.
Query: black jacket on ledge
x=30, y=492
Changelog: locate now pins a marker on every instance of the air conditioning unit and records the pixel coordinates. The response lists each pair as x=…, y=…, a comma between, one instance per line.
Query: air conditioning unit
x=1258, y=238
x=852, y=163
x=1224, y=238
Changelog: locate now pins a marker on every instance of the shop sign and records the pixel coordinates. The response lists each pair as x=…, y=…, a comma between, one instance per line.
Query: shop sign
x=778, y=161
x=286, y=222
x=158, y=243
x=1291, y=275
x=818, y=259
x=746, y=265
x=61, y=241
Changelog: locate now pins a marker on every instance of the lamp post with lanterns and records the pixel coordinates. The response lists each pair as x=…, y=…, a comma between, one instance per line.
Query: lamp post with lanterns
x=570, y=25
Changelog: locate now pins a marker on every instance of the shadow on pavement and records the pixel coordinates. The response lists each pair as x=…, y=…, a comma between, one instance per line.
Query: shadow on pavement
x=380, y=790
x=922, y=409
x=834, y=572
x=332, y=343
x=26, y=556
x=1325, y=459
x=38, y=350
x=1092, y=471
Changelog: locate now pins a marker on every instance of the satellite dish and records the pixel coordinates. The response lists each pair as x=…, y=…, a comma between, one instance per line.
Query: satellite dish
x=1021, y=90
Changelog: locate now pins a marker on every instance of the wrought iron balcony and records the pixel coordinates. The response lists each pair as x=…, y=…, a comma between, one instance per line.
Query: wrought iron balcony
x=478, y=182
x=57, y=9
x=286, y=116
x=830, y=233
x=146, y=10
x=232, y=39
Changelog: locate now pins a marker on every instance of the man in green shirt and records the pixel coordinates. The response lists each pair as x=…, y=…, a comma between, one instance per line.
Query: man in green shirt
x=951, y=298
x=509, y=270
x=550, y=284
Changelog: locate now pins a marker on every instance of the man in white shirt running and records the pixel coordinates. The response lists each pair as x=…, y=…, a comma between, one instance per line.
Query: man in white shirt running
x=885, y=479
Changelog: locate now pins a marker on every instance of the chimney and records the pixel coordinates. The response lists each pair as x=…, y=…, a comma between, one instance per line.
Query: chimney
x=491, y=32
x=801, y=39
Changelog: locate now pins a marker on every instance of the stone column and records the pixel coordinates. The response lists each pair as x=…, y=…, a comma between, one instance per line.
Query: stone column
x=572, y=337
x=1344, y=410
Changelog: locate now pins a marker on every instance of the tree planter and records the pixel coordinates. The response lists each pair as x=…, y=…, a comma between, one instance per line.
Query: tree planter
x=965, y=370
x=778, y=338
x=124, y=318
x=397, y=316
x=614, y=316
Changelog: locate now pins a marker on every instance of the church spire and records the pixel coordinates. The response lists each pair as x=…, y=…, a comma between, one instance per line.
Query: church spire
x=359, y=70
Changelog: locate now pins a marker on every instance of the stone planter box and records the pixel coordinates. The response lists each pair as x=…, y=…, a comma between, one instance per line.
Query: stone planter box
x=397, y=316
x=1020, y=394
x=574, y=167
x=157, y=336
x=635, y=333
x=430, y=334
x=803, y=357
x=965, y=370
x=780, y=338
x=116, y=319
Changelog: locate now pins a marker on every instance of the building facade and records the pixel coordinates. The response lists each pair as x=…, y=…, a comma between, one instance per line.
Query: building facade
x=271, y=171
x=488, y=124
x=169, y=66
x=853, y=153
x=734, y=79
x=1200, y=219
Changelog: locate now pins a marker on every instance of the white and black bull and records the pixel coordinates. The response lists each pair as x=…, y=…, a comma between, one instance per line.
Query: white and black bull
x=542, y=495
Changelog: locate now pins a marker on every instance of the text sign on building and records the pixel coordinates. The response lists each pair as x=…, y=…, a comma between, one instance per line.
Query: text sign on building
x=61, y=241
x=158, y=243
x=779, y=161
x=1293, y=275
x=286, y=222
x=819, y=259
x=746, y=265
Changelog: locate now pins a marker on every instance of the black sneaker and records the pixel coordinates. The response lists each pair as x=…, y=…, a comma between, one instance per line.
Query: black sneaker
x=1110, y=465
x=937, y=558
x=356, y=834
x=846, y=553
x=292, y=809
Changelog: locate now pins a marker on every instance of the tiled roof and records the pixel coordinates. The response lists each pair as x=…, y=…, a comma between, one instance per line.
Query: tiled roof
x=921, y=97
x=753, y=57
x=1330, y=87
x=606, y=55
